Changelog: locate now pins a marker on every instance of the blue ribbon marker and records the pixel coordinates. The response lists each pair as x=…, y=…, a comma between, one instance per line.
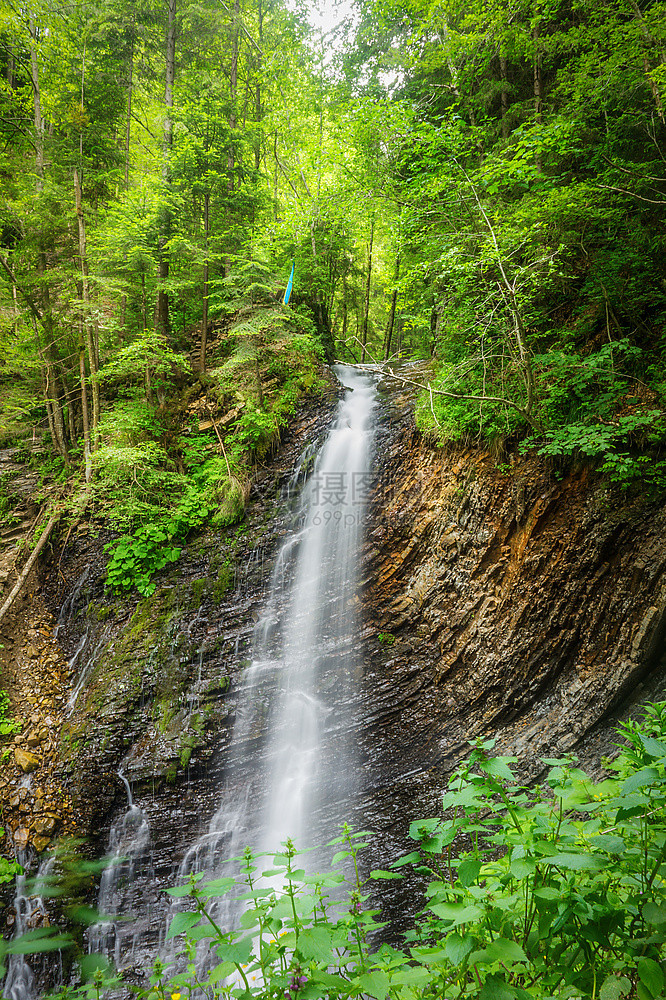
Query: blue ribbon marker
x=287, y=294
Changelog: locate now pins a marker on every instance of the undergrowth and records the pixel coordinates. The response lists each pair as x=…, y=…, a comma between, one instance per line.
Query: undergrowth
x=551, y=891
x=157, y=477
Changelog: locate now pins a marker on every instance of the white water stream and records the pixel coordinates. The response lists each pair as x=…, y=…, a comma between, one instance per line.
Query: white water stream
x=292, y=770
x=31, y=912
x=117, y=932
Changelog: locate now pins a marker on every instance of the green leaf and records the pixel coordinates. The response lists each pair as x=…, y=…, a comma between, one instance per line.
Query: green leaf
x=468, y=871
x=457, y=913
x=458, y=948
x=654, y=748
x=654, y=914
x=547, y=892
x=495, y=988
x=216, y=887
x=646, y=776
x=614, y=987
x=651, y=976
x=500, y=950
x=38, y=940
x=498, y=767
x=375, y=984
x=237, y=952
x=378, y=874
x=609, y=843
x=522, y=867
x=315, y=942
x=182, y=923
x=220, y=972
x=577, y=862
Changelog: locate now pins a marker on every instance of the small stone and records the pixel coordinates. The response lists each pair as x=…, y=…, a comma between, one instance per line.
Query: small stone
x=33, y=739
x=21, y=837
x=26, y=760
x=14, y=800
x=45, y=825
x=41, y=843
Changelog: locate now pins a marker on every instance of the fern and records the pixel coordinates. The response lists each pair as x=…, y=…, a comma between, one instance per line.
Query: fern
x=245, y=353
x=257, y=323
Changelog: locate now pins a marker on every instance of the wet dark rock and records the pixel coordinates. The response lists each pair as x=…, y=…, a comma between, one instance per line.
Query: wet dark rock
x=512, y=606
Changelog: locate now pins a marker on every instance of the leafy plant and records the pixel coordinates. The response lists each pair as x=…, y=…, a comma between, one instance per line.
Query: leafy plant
x=557, y=891
x=8, y=869
x=8, y=725
x=134, y=559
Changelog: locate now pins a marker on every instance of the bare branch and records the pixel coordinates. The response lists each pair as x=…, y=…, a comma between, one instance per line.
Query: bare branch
x=632, y=194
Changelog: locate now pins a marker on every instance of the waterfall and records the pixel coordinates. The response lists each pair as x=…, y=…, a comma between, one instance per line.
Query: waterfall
x=20, y=981
x=292, y=766
x=117, y=933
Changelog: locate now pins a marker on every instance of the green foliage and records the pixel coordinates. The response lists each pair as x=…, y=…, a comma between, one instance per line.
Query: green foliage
x=134, y=559
x=256, y=428
x=561, y=890
x=130, y=480
x=8, y=725
x=557, y=891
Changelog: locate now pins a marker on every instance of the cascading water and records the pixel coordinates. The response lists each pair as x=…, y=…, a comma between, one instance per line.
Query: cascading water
x=291, y=766
x=31, y=912
x=291, y=770
x=117, y=933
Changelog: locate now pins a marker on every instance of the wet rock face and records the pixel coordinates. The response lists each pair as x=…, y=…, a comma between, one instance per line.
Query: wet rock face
x=499, y=603
x=153, y=687
x=503, y=603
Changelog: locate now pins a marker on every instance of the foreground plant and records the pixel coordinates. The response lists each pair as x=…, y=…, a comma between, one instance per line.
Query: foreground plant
x=553, y=891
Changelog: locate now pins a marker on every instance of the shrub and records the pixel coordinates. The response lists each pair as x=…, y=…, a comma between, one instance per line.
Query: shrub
x=553, y=891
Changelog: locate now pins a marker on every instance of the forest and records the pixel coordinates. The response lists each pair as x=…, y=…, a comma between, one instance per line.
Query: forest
x=472, y=184
x=203, y=205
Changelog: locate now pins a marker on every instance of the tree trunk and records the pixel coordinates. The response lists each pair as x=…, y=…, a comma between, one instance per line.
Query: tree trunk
x=162, y=322
x=25, y=572
x=204, y=310
x=92, y=335
x=130, y=84
x=84, y=406
x=538, y=104
x=504, y=96
x=37, y=106
x=654, y=47
x=366, y=312
x=388, y=337
x=344, y=307
x=52, y=398
x=257, y=100
x=233, y=97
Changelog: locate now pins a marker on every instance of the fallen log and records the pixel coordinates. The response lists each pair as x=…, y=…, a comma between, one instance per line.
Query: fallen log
x=25, y=572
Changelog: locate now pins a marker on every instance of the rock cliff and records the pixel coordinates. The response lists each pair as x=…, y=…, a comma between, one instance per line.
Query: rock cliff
x=497, y=601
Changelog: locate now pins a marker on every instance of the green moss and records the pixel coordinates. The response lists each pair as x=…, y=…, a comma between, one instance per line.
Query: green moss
x=198, y=588
x=100, y=612
x=224, y=582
